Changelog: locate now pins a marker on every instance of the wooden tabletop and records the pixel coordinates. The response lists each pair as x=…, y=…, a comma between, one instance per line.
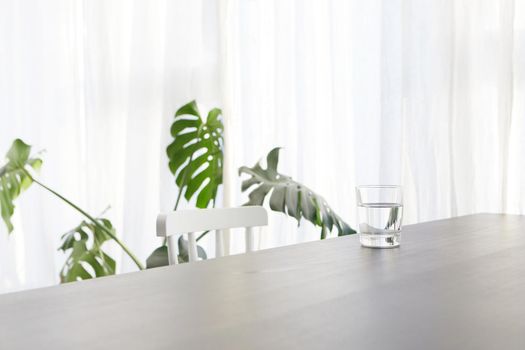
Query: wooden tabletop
x=453, y=284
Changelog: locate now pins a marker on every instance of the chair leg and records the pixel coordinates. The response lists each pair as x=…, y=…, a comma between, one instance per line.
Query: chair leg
x=173, y=250
x=219, y=244
x=249, y=239
x=192, y=247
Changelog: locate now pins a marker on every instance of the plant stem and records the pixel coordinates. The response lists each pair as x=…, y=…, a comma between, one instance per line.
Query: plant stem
x=165, y=240
x=202, y=235
x=178, y=199
x=323, y=232
x=179, y=195
x=184, y=182
x=108, y=232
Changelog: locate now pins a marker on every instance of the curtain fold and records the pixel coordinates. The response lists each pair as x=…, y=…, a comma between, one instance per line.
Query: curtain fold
x=427, y=94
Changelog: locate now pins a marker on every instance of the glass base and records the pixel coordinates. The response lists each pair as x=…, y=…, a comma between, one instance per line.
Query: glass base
x=372, y=240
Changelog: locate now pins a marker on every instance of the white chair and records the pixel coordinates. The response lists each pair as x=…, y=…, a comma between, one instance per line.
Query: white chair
x=175, y=223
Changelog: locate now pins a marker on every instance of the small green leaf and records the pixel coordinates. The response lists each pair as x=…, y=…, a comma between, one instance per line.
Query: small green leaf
x=84, y=246
x=14, y=178
x=196, y=153
x=290, y=197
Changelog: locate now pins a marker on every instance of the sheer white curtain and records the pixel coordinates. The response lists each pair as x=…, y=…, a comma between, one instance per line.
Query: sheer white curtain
x=95, y=84
x=428, y=94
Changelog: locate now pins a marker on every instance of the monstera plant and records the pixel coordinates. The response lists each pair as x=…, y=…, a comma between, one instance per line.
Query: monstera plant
x=195, y=158
x=290, y=197
x=86, y=257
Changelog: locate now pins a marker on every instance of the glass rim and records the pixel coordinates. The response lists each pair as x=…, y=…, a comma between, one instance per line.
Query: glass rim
x=378, y=186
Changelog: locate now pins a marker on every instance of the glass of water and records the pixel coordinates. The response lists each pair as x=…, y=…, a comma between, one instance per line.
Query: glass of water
x=380, y=212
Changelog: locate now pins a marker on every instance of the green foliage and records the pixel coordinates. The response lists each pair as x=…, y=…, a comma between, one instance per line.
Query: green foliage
x=14, y=178
x=159, y=257
x=290, y=197
x=196, y=160
x=86, y=257
x=196, y=153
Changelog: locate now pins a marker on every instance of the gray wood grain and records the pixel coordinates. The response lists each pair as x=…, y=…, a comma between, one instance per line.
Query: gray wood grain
x=453, y=284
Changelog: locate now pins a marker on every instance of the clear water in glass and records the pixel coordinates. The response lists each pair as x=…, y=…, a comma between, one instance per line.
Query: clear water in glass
x=380, y=224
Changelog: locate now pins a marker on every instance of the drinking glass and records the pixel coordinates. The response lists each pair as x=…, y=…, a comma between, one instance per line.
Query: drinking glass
x=380, y=212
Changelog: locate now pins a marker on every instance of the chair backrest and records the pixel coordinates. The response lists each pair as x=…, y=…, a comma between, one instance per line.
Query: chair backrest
x=175, y=223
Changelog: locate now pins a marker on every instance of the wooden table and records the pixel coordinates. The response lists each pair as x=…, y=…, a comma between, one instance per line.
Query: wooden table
x=453, y=284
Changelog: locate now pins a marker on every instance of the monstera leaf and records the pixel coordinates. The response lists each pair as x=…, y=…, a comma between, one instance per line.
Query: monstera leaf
x=86, y=258
x=290, y=197
x=14, y=178
x=196, y=153
x=159, y=257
